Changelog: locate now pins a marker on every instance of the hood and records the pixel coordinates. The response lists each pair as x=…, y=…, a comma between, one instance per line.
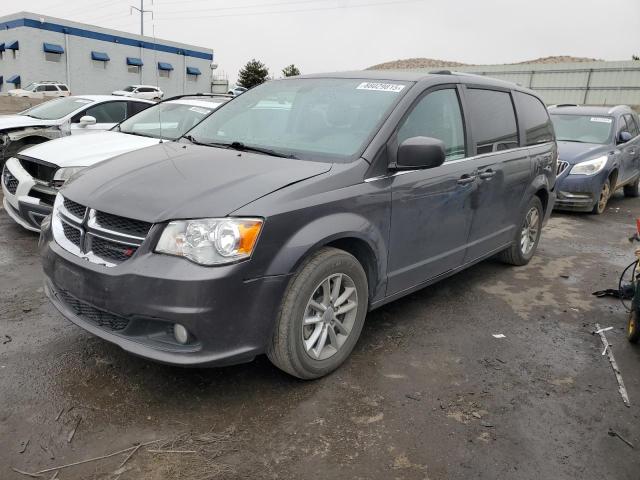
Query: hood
x=8, y=122
x=87, y=150
x=175, y=180
x=576, y=152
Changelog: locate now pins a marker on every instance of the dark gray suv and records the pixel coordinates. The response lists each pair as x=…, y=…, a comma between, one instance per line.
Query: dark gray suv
x=276, y=224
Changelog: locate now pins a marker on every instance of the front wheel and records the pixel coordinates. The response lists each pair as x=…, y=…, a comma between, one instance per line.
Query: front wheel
x=603, y=198
x=321, y=315
x=527, y=236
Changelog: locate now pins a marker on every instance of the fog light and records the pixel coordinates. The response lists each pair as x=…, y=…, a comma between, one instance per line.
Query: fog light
x=181, y=334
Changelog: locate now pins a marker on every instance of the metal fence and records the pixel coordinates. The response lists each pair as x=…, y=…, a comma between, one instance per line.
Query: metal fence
x=589, y=83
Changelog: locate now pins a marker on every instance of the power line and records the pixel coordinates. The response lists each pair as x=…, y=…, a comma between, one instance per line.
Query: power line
x=246, y=14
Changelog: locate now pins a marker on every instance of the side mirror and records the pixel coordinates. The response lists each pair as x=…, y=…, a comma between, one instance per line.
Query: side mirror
x=87, y=120
x=419, y=153
x=624, y=137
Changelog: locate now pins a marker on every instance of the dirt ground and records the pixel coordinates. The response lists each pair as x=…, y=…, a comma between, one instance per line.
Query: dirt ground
x=428, y=393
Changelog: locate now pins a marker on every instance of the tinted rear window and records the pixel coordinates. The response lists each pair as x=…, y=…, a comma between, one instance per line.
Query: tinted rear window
x=493, y=120
x=534, y=119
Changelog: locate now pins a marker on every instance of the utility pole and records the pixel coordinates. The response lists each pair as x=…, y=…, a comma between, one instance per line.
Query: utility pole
x=142, y=11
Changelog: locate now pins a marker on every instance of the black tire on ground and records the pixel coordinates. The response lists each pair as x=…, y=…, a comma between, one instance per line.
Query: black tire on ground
x=286, y=350
x=633, y=328
x=517, y=254
x=632, y=189
x=601, y=204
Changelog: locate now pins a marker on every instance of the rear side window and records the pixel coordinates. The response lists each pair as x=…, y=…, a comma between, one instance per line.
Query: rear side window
x=437, y=115
x=493, y=120
x=631, y=125
x=534, y=119
x=137, y=107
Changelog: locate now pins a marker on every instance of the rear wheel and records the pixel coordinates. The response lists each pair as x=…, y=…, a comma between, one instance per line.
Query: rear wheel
x=321, y=315
x=603, y=199
x=527, y=237
x=632, y=189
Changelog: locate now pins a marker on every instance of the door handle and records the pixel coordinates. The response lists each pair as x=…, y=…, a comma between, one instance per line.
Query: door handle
x=486, y=174
x=466, y=179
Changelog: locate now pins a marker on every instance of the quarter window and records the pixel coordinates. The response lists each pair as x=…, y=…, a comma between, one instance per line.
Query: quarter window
x=534, y=119
x=493, y=120
x=437, y=115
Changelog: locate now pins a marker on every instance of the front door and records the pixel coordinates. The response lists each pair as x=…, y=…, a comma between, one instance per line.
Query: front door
x=630, y=150
x=431, y=209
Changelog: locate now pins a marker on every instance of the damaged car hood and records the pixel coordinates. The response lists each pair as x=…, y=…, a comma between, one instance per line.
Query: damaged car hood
x=176, y=181
x=85, y=151
x=21, y=121
x=576, y=152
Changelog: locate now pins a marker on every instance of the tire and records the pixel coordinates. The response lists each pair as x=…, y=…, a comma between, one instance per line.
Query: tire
x=523, y=248
x=605, y=192
x=292, y=344
x=633, y=328
x=632, y=189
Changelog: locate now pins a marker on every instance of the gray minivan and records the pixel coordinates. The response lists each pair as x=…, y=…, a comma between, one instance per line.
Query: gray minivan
x=277, y=223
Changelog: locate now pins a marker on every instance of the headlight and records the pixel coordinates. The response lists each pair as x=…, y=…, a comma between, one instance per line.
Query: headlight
x=64, y=174
x=590, y=167
x=211, y=241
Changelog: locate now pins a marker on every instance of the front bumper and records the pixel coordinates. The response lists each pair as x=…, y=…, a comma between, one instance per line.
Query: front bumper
x=579, y=193
x=135, y=304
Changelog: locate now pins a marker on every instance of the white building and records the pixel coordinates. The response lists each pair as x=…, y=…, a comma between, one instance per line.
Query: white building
x=96, y=60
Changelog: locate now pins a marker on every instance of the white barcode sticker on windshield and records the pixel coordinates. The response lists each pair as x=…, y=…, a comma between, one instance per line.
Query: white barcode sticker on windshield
x=601, y=119
x=202, y=111
x=380, y=87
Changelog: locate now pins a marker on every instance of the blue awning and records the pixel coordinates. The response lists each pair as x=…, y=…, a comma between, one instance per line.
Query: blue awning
x=136, y=62
x=15, y=79
x=52, y=48
x=164, y=66
x=15, y=45
x=193, y=71
x=100, y=56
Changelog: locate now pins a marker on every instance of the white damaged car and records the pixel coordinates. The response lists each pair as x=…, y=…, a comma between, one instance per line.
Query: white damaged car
x=31, y=178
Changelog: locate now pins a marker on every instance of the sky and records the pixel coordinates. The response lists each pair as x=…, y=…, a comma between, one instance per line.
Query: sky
x=334, y=35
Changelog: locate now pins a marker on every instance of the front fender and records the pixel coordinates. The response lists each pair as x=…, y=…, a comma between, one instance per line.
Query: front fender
x=343, y=226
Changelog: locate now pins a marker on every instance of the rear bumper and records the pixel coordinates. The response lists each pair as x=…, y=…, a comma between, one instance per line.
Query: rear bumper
x=136, y=304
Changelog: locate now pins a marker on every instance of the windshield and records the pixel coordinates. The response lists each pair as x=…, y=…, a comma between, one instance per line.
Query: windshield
x=582, y=128
x=128, y=89
x=56, y=109
x=306, y=118
x=31, y=87
x=166, y=120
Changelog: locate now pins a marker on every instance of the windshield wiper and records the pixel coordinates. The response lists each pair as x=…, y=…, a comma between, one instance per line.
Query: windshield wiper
x=241, y=147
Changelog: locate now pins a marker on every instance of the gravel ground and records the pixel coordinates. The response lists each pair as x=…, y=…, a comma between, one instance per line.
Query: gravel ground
x=428, y=393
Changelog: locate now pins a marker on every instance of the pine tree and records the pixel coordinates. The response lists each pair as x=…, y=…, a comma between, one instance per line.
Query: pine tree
x=290, y=71
x=252, y=74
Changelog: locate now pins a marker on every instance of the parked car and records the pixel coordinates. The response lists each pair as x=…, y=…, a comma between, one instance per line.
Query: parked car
x=32, y=179
x=61, y=117
x=148, y=92
x=44, y=89
x=275, y=226
x=237, y=91
x=599, y=153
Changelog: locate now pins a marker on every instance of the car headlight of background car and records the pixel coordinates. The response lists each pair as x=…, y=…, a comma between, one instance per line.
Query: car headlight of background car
x=590, y=167
x=64, y=174
x=211, y=241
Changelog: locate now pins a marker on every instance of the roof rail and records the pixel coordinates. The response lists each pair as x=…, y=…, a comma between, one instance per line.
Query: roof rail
x=199, y=94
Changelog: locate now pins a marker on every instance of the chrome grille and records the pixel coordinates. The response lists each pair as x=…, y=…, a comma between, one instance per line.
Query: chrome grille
x=74, y=208
x=562, y=166
x=98, y=317
x=10, y=181
x=77, y=229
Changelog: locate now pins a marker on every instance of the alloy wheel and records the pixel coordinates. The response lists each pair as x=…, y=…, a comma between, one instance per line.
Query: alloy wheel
x=530, y=230
x=329, y=316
